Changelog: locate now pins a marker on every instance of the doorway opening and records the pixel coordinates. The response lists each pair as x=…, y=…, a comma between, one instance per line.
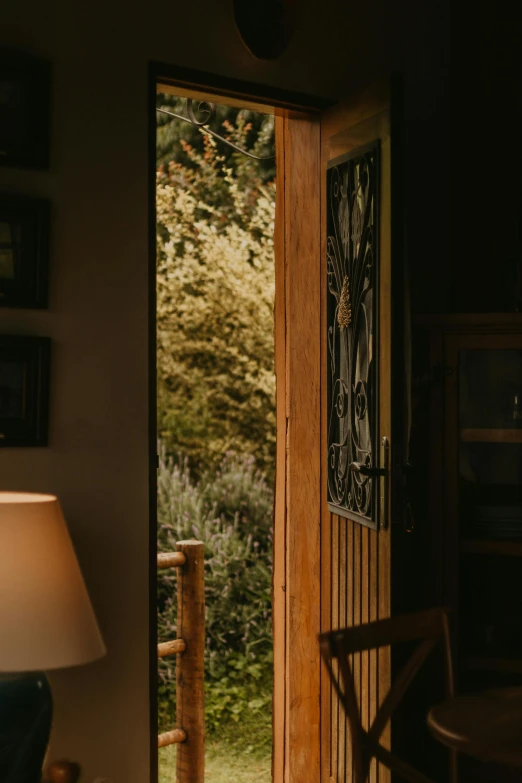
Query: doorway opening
x=216, y=412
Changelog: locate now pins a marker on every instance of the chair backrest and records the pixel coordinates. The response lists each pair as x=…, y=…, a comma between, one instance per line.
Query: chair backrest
x=427, y=628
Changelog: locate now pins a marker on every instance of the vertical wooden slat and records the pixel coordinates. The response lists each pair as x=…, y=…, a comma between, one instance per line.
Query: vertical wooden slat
x=365, y=617
x=343, y=590
x=326, y=685
x=349, y=623
x=384, y=654
x=373, y=599
x=336, y=707
x=279, y=574
x=357, y=606
x=327, y=693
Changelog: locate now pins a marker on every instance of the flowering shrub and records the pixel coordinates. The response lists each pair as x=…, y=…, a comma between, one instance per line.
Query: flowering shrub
x=230, y=510
x=215, y=300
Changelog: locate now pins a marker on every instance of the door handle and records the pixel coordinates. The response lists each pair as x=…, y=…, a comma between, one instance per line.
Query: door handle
x=382, y=473
x=365, y=470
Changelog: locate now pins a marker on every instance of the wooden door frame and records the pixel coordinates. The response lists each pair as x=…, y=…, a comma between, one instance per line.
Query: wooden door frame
x=296, y=751
x=299, y=491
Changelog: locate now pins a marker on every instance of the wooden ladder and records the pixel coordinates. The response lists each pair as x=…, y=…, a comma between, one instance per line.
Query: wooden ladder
x=189, y=648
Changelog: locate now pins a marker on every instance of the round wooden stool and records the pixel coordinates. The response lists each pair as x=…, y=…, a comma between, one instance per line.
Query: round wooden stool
x=487, y=726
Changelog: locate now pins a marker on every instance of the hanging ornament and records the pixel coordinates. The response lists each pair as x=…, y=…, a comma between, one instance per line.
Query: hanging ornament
x=344, y=313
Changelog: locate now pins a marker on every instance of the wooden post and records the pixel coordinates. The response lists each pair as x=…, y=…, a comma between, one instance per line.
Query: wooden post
x=190, y=702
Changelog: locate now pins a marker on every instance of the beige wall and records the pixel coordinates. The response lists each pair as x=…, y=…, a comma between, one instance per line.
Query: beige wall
x=97, y=461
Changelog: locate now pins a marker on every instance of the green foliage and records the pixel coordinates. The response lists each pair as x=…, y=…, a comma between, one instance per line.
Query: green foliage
x=237, y=689
x=216, y=404
x=215, y=299
x=230, y=510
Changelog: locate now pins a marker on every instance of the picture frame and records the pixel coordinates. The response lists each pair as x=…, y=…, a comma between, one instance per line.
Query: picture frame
x=24, y=390
x=25, y=110
x=24, y=251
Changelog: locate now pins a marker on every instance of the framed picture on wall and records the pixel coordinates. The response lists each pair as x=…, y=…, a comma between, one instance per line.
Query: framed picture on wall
x=24, y=251
x=24, y=390
x=25, y=103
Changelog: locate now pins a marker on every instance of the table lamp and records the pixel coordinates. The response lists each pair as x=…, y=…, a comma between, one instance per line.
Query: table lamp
x=46, y=622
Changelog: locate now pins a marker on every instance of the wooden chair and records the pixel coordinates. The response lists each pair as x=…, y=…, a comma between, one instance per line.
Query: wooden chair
x=429, y=628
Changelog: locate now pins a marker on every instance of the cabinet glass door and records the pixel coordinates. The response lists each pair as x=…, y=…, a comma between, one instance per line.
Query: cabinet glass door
x=490, y=456
x=490, y=503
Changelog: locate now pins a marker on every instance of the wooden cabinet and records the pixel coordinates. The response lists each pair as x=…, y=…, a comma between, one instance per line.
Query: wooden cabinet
x=475, y=495
x=467, y=428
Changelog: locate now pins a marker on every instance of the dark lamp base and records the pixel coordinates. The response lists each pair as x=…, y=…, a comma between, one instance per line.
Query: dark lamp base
x=26, y=710
x=63, y=771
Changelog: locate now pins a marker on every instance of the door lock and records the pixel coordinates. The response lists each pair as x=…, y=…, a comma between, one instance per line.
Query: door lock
x=382, y=473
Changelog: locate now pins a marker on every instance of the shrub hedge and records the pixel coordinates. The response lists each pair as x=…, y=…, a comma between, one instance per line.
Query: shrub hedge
x=230, y=509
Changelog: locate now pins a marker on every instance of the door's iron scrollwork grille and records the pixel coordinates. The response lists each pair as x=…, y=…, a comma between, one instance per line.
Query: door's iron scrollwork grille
x=352, y=322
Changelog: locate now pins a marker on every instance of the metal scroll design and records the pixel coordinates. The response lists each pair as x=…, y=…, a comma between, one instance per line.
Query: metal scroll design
x=352, y=262
x=206, y=111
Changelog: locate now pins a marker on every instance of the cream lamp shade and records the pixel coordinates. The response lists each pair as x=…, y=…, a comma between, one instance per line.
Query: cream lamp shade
x=46, y=617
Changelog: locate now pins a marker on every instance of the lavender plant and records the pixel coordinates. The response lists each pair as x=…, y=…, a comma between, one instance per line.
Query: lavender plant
x=230, y=510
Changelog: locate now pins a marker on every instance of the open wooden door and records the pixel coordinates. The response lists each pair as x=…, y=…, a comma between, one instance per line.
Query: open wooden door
x=339, y=365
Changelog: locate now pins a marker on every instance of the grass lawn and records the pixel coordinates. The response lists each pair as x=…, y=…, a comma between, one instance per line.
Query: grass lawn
x=223, y=764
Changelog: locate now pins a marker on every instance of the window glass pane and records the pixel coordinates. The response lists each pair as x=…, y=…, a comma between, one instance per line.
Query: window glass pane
x=490, y=456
